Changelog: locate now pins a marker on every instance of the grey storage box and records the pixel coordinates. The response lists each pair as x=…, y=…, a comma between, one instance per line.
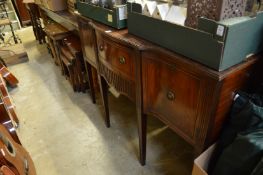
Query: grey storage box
x=116, y=18
x=218, y=45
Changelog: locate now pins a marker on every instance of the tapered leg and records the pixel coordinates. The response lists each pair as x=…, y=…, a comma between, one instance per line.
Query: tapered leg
x=90, y=81
x=104, y=95
x=142, y=128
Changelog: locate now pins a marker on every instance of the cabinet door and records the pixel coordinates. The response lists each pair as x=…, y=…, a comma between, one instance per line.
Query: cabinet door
x=171, y=94
x=88, y=41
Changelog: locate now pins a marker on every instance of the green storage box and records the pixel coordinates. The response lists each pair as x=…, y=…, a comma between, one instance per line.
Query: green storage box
x=218, y=45
x=116, y=18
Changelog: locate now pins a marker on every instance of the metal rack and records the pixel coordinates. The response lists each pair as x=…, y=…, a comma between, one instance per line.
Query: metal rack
x=12, y=15
x=6, y=20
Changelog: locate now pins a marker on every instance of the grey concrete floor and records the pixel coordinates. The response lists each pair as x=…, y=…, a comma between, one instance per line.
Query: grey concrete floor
x=65, y=134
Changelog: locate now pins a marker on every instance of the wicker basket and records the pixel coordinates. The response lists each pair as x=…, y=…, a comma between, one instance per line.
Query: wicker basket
x=71, y=5
x=213, y=9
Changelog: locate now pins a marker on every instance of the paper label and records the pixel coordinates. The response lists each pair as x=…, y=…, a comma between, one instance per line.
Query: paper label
x=220, y=30
x=109, y=18
x=123, y=13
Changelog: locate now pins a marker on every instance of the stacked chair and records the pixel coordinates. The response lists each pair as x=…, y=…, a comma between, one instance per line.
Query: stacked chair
x=72, y=63
x=55, y=34
x=66, y=50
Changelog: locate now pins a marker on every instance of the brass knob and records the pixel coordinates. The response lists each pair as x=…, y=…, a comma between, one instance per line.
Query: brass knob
x=170, y=95
x=101, y=47
x=122, y=60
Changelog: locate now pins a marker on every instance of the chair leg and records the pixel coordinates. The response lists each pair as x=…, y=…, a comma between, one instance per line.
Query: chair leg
x=56, y=49
x=90, y=81
x=77, y=77
x=72, y=78
x=79, y=74
x=104, y=95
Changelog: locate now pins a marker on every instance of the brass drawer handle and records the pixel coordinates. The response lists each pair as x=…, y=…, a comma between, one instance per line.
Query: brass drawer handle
x=170, y=95
x=122, y=60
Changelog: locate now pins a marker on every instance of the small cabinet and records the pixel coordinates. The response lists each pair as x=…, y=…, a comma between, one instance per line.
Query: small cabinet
x=172, y=94
x=88, y=41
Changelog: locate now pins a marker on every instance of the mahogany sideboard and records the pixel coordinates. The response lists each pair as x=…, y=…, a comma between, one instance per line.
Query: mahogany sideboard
x=192, y=99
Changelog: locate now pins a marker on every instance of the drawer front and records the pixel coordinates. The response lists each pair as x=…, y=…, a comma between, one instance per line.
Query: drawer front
x=117, y=57
x=172, y=95
x=88, y=42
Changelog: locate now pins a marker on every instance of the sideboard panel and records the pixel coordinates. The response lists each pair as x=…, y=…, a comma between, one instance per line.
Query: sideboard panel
x=172, y=94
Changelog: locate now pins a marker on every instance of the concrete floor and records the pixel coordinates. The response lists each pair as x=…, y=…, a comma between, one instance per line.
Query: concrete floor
x=65, y=133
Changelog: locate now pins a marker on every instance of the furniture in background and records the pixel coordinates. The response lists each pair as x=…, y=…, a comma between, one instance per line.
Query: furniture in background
x=22, y=12
x=6, y=20
x=55, y=33
x=68, y=21
x=34, y=14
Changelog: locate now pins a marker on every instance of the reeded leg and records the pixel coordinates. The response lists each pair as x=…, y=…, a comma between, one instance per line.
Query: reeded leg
x=90, y=81
x=104, y=95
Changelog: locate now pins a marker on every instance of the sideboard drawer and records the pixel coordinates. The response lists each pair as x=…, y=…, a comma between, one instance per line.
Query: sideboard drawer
x=117, y=57
x=172, y=95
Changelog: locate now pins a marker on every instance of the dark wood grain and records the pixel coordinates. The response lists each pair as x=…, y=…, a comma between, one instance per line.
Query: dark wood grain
x=172, y=93
x=237, y=80
x=88, y=41
x=104, y=95
x=117, y=72
x=116, y=56
x=64, y=18
x=192, y=100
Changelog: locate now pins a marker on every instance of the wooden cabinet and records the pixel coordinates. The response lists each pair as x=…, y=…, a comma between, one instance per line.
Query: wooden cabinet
x=23, y=14
x=172, y=93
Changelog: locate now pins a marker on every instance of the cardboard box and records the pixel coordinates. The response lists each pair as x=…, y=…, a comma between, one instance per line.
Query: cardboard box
x=201, y=163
